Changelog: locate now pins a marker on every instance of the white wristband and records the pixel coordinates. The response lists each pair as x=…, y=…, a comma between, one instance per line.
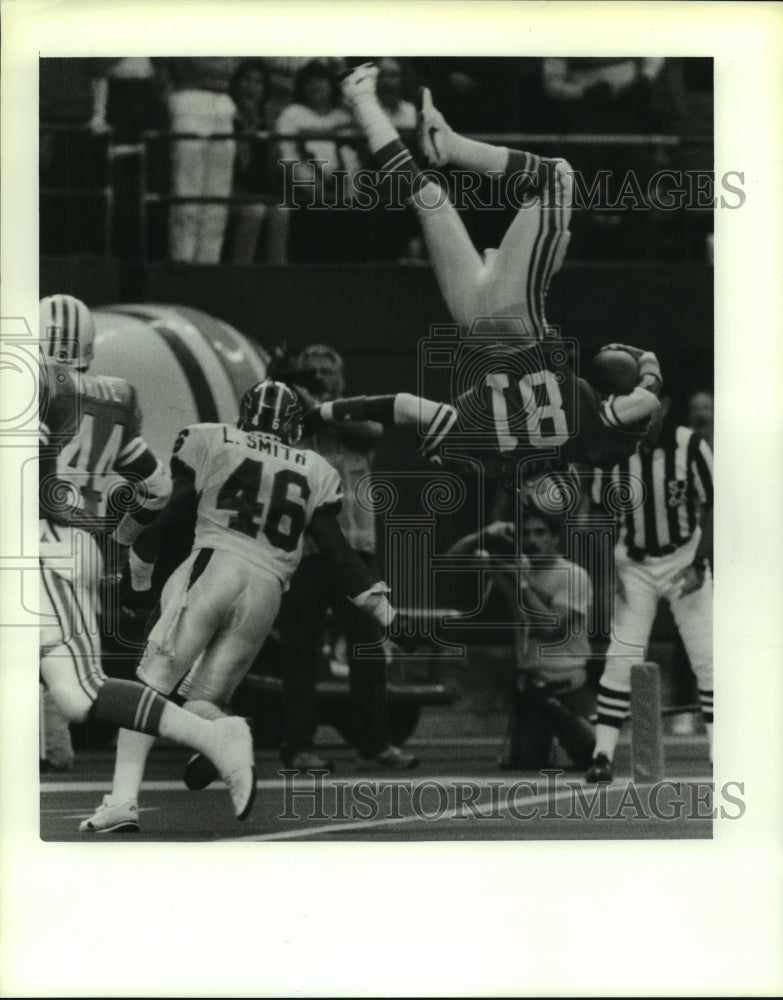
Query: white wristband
x=140, y=572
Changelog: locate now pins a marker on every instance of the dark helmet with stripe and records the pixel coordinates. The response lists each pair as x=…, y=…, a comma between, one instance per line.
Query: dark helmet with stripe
x=67, y=331
x=272, y=408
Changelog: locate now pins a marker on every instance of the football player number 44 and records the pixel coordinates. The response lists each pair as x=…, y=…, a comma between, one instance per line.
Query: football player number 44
x=536, y=395
x=87, y=460
x=282, y=518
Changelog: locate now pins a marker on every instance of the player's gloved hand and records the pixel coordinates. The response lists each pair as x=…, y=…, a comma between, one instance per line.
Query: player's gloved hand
x=375, y=602
x=692, y=577
x=137, y=595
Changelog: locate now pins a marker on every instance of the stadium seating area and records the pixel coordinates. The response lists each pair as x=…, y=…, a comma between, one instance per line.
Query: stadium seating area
x=116, y=174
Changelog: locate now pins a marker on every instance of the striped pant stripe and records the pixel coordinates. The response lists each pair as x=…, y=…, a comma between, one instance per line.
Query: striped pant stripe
x=706, y=702
x=143, y=710
x=614, y=707
x=554, y=221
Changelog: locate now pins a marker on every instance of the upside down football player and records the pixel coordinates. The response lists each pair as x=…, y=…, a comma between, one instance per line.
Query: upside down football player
x=90, y=427
x=253, y=494
x=521, y=389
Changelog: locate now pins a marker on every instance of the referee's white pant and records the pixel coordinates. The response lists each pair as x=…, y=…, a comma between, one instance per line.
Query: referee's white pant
x=71, y=568
x=216, y=612
x=642, y=586
x=511, y=280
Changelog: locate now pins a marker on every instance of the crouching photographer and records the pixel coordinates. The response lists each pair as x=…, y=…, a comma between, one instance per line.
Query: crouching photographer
x=549, y=598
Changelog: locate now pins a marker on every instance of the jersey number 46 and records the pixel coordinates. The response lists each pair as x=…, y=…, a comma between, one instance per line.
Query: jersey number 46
x=282, y=518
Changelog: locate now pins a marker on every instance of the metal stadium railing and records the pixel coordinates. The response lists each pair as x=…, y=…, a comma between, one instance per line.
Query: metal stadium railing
x=144, y=180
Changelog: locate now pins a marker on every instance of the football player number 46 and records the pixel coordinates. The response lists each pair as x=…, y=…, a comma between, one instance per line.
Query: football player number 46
x=537, y=395
x=282, y=519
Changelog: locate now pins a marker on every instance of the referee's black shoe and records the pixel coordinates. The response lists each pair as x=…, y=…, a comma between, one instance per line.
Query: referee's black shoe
x=600, y=771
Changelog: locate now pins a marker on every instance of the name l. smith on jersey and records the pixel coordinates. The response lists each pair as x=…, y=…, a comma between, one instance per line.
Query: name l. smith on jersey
x=262, y=443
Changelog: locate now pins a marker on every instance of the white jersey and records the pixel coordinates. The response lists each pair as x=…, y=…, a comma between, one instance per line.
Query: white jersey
x=256, y=495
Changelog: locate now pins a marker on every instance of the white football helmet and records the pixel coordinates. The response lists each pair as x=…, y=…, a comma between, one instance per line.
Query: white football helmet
x=67, y=331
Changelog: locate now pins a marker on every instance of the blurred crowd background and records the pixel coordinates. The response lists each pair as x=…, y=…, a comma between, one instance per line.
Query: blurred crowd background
x=113, y=159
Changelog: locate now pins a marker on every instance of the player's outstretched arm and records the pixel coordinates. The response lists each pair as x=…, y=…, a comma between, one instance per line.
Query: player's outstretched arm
x=180, y=510
x=402, y=409
x=363, y=588
x=152, y=484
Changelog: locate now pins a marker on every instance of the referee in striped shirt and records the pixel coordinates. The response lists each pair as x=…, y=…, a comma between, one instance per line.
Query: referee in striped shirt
x=662, y=496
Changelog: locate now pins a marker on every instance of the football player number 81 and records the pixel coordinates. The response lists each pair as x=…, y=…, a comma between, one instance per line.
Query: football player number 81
x=545, y=417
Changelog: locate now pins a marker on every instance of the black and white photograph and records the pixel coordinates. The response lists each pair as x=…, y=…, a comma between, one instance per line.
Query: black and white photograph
x=393, y=423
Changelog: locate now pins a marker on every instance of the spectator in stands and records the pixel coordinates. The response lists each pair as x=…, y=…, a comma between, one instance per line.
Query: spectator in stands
x=700, y=415
x=254, y=170
x=136, y=100
x=550, y=700
x=281, y=75
x=390, y=93
x=316, y=114
x=199, y=103
x=73, y=148
x=348, y=446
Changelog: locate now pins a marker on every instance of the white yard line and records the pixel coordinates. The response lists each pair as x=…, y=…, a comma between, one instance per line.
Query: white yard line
x=370, y=824
x=508, y=777
x=342, y=782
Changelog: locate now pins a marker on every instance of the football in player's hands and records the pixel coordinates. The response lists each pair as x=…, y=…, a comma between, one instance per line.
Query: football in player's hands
x=614, y=371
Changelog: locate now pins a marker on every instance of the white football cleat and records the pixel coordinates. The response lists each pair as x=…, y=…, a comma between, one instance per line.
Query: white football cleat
x=233, y=757
x=112, y=817
x=434, y=132
x=359, y=84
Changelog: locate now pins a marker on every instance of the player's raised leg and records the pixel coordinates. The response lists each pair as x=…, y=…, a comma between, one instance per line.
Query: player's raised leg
x=455, y=260
x=167, y=659
x=499, y=284
x=516, y=275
